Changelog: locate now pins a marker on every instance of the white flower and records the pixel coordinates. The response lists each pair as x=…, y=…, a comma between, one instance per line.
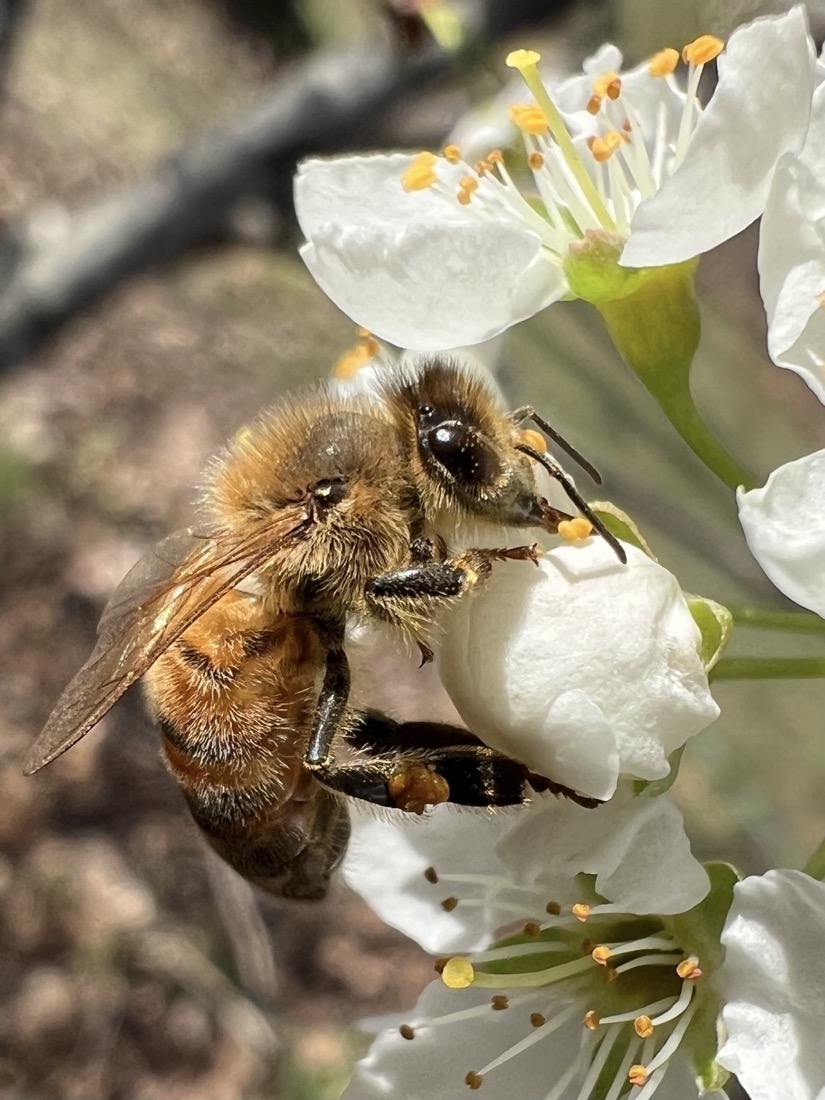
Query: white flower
x=784, y=523
x=792, y=256
x=759, y=111
x=533, y=1016
x=583, y=668
x=462, y=253
x=771, y=982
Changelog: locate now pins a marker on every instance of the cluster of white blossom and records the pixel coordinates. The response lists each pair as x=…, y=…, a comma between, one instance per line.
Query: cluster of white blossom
x=587, y=953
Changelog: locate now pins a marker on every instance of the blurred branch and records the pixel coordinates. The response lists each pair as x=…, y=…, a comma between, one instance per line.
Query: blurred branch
x=57, y=263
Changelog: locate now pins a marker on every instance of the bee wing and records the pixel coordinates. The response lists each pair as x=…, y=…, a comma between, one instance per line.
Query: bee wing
x=156, y=602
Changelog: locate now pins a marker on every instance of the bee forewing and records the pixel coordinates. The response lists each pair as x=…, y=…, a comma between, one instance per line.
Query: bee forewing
x=160, y=598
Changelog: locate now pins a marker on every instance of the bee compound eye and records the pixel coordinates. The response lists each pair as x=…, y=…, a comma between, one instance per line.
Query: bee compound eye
x=462, y=453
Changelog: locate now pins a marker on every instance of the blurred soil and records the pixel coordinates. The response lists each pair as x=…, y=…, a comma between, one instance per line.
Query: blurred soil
x=133, y=965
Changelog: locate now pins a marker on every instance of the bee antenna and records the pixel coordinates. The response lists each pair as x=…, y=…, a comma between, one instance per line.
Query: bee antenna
x=548, y=429
x=559, y=475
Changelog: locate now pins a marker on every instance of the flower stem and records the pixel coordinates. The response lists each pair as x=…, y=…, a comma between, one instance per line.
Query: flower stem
x=768, y=668
x=656, y=328
x=815, y=867
x=802, y=622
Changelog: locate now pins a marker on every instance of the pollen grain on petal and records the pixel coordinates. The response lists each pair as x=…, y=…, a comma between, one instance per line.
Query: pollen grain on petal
x=522, y=59
x=458, y=972
x=643, y=1026
x=702, y=49
x=664, y=62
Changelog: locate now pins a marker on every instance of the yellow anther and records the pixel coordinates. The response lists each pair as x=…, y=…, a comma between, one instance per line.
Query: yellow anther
x=481, y=167
x=605, y=146
x=664, y=62
x=536, y=161
x=594, y=104
x=529, y=118
x=406, y=1032
x=458, y=972
x=452, y=153
x=448, y=904
x=356, y=357
x=495, y=156
x=499, y=1002
x=643, y=1026
x=532, y=928
x=553, y=908
x=464, y=197
x=473, y=1080
x=537, y=1019
x=601, y=954
x=608, y=84
x=689, y=969
x=531, y=438
x=702, y=49
x=581, y=911
x=522, y=59
x=468, y=183
x=431, y=875
x=420, y=173
x=637, y=1075
x=572, y=530
x=591, y=1020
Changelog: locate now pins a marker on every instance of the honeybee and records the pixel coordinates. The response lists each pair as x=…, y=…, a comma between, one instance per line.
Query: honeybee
x=330, y=504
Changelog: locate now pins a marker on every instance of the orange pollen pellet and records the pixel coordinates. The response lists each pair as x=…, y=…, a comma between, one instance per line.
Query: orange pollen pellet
x=643, y=1026
x=358, y=356
x=581, y=911
x=689, y=969
x=499, y=1002
x=452, y=153
x=537, y=1020
x=448, y=904
x=573, y=530
x=531, y=438
x=637, y=1075
x=702, y=49
x=664, y=62
x=531, y=928
x=536, y=161
x=601, y=955
x=594, y=104
x=473, y=1080
x=591, y=1020
x=406, y=1032
x=553, y=908
x=431, y=875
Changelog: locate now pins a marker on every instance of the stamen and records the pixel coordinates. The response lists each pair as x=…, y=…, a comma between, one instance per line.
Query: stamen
x=646, y=1010
x=591, y=1020
x=702, y=50
x=537, y=1020
x=522, y=59
x=620, y=1079
x=605, y=146
x=458, y=972
x=637, y=1075
x=431, y=875
x=420, y=174
x=499, y=1002
x=448, y=904
x=674, y=1039
x=532, y=928
x=529, y=118
x=406, y=1032
x=581, y=911
x=473, y=1080
x=643, y=1026
x=664, y=62
x=594, y=105
x=598, y=1063
x=552, y=907
x=645, y=960
x=452, y=153
x=609, y=84
x=469, y=183
x=689, y=969
x=682, y=1001
x=602, y=953
x=529, y=1040
x=536, y=161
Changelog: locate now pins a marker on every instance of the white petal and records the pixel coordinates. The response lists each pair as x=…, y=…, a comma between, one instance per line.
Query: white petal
x=387, y=857
x=636, y=847
x=413, y=268
x=581, y=622
x=784, y=523
x=434, y=1063
x=772, y=981
x=758, y=112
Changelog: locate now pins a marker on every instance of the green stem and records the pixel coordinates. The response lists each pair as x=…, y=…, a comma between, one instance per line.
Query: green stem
x=815, y=867
x=768, y=668
x=802, y=622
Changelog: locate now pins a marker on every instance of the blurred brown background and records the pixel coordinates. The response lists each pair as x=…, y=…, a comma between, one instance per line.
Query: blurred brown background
x=151, y=300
